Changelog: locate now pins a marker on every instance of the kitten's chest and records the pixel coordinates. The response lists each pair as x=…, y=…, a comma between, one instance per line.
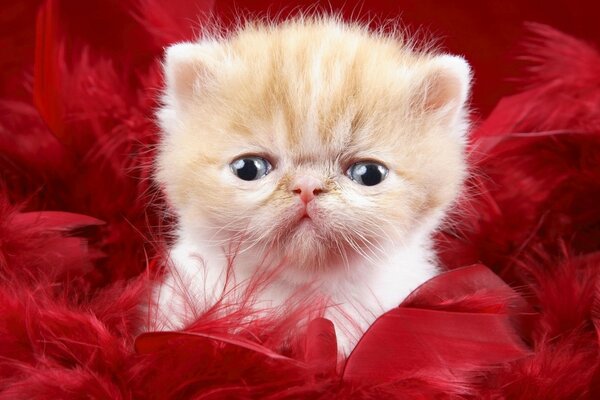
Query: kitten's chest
x=363, y=286
x=352, y=301
x=272, y=279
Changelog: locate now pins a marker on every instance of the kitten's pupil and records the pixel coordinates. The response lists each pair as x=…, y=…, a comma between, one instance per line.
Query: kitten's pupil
x=367, y=173
x=250, y=168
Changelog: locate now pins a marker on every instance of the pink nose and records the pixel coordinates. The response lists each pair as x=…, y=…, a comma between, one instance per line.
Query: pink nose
x=307, y=187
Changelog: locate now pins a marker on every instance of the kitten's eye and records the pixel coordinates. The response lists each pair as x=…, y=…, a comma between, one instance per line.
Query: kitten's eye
x=367, y=173
x=250, y=168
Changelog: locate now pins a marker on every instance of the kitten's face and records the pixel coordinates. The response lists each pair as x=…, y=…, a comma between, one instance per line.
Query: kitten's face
x=315, y=142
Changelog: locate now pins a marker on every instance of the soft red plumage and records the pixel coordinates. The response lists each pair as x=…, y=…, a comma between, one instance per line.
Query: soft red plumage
x=81, y=241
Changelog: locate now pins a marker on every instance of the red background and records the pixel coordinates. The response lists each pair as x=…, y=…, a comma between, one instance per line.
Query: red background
x=487, y=33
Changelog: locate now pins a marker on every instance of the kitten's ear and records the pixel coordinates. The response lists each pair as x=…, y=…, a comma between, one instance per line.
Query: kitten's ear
x=187, y=67
x=444, y=88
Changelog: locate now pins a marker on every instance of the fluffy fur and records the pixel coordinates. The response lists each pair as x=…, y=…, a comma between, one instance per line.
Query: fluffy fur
x=313, y=96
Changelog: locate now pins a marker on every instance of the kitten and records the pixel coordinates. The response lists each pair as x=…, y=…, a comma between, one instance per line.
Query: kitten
x=316, y=146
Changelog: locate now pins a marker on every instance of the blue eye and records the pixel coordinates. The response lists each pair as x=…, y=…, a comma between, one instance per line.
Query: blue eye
x=367, y=173
x=250, y=168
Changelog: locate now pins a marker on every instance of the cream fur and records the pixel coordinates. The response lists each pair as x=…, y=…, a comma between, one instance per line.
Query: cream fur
x=313, y=96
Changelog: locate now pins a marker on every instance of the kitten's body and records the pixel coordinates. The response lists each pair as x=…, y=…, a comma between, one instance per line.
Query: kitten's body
x=313, y=98
x=353, y=300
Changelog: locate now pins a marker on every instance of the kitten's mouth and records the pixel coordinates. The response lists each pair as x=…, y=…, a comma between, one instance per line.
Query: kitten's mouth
x=304, y=220
x=304, y=216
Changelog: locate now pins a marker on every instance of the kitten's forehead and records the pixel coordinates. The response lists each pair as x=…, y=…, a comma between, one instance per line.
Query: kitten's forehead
x=308, y=137
x=320, y=91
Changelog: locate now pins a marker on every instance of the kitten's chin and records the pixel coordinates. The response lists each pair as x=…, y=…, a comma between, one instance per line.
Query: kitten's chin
x=306, y=247
x=306, y=226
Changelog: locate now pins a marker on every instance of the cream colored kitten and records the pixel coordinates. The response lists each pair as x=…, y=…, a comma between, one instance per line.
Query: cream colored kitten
x=315, y=146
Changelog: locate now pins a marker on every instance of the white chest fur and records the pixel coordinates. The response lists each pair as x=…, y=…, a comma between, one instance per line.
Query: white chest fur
x=199, y=276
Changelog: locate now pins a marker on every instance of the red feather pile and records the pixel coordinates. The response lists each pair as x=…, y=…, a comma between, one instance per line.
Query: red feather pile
x=517, y=315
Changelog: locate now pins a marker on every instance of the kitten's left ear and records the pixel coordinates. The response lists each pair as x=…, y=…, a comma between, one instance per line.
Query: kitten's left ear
x=444, y=88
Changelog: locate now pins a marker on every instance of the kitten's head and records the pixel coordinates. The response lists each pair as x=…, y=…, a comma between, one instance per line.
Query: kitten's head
x=316, y=140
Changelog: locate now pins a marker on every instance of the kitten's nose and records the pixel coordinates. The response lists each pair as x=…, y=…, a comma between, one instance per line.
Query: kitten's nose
x=307, y=187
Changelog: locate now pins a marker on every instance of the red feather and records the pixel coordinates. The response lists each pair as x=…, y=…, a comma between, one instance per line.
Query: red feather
x=47, y=70
x=321, y=348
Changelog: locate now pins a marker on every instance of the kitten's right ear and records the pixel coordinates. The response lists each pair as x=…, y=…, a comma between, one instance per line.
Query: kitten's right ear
x=443, y=87
x=187, y=66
